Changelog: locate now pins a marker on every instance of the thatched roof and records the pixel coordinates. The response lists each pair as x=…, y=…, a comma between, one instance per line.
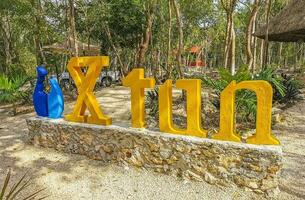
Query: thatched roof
x=288, y=25
x=64, y=48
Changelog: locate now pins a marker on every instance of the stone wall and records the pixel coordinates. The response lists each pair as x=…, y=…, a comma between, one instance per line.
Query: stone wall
x=216, y=162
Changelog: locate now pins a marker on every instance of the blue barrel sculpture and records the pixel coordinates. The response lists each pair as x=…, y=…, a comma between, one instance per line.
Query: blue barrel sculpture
x=47, y=105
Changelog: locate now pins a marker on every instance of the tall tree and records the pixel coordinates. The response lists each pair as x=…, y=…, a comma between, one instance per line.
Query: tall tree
x=169, y=37
x=72, y=37
x=6, y=34
x=180, y=51
x=150, y=14
x=250, y=29
x=230, y=43
x=38, y=18
x=266, y=40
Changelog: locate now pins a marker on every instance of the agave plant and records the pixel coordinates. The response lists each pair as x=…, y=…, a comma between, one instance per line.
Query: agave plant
x=275, y=80
x=15, y=191
x=245, y=100
x=152, y=103
x=292, y=90
x=10, y=90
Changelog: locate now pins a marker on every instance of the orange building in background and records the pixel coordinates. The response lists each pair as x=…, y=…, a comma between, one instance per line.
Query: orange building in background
x=195, y=62
x=195, y=57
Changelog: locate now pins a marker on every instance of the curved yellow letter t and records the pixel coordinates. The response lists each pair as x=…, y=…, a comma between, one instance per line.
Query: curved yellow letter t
x=85, y=85
x=136, y=81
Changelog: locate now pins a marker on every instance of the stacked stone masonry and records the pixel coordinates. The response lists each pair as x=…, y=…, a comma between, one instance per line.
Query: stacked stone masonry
x=253, y=167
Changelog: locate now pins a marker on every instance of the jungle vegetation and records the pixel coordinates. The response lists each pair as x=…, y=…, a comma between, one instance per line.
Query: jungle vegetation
x=154, y=34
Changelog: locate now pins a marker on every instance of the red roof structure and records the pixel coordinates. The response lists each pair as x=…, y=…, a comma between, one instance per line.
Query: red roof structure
x=194, y=49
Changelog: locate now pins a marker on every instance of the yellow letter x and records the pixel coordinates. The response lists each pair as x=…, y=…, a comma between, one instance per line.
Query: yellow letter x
x=85, y=85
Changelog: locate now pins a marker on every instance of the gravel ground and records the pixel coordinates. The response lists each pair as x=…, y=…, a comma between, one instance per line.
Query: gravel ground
x=67, y=176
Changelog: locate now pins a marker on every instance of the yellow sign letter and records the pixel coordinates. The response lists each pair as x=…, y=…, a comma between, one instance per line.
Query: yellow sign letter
x=136, y=81
x=263, y=133
x=85, y=83
x=193, y=88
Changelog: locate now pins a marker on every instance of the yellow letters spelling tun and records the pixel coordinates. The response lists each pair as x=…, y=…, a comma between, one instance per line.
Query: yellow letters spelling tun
x=137, y=83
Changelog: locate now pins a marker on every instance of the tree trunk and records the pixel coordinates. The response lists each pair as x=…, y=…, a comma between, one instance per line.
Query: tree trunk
x=72, y=30
x=254, y=65
x=180, y=38
x=250, y=30
x=5, y=26
x=147, y=33
x=302, y=55
x=158, y=63
x=40, y=57
x=227, y=42
x=261, y=57
x=122, y=68
x=169, y=36
x=296, y=50
x=266, y=41
x=233, y=51
x=280, y=54
x=230, y=44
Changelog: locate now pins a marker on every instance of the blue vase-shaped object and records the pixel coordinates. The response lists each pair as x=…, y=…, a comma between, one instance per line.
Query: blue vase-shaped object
x=40, y=98
x=55, y=100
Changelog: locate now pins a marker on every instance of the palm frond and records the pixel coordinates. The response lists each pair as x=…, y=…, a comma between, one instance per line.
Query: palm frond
x=5, y=184
x=15, y=191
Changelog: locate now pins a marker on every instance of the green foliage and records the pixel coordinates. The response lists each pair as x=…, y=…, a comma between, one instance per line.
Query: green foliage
x=15, y=191
x=292, y=90
x=269, y=74
x=226, y=78
x=245, y=99
x=25, y=23
x=10, y=88
x=152, y=102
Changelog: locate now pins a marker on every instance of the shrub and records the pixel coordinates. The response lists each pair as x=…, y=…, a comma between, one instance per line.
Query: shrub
x=10, y=89
x=286, y=90
x=152, y=102
x=292, y=91
x=245, y=99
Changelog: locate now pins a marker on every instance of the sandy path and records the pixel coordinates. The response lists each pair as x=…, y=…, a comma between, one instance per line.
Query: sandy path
x=292, y=137
x=67, y=176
